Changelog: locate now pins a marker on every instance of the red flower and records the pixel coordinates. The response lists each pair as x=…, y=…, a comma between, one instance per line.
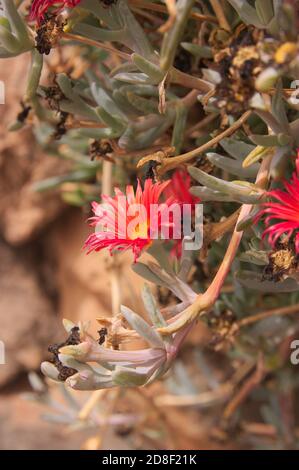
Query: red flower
x=285, y=211
x=126, y=221
x=39, y=7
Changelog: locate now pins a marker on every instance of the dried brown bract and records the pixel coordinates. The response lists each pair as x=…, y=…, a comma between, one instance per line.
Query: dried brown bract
x=282, y=262
x=54, y=95
x=73, y=339
x=100, y=149
x=103, y=332
x=61, y=128
x=23, y=115
x=239, y=63
x=151, y=171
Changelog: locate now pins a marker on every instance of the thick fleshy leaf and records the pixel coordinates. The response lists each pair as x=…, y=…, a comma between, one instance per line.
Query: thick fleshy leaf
x=236, y=148
x=142, y=328
x=247, y=12
x=202, y=52
x=265, y=11
x=144, y=271
x=173, y=37
x=252, y=280
x=126, y=377
x=152, y=307
x=235, y=191
x=279, y=140
x=260, y=258
x=232, y=166
x=49, y=370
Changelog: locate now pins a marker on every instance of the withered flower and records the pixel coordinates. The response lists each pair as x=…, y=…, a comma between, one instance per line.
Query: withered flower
x=48, y=33
x=100, y=149
x=282, y=262
x=239, y=63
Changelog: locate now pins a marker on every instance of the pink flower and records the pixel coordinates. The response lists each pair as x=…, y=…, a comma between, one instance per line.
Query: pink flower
x=128, y=221
x=40, y=7
x=285, y=212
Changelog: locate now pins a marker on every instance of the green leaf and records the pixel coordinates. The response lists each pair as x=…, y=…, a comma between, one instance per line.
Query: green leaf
x=232, y=166
x=134, y=78
x=17, y=24
x=126, y=377
x=142, y=328
x=105, y=101
x=179, y=127
x=111, y=121
x=151, y=70
x=260, y=258
x=236, y=148
x=152, y=308
x=75, y=105
x=173, y=37
x=142, y=104
x=230, y=188
x=252, y=280
x=209, y=195
x=246, y=12
x=265, y=11
x=35, y=74
x=278, y=140
x=100, y=34
x=280, y=162
x=8, y=41
x=201, y=52
x=146, y=273
x=55, y=181
x=279, y=108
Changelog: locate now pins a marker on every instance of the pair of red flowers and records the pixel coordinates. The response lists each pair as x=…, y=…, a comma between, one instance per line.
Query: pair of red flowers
x=281, y=215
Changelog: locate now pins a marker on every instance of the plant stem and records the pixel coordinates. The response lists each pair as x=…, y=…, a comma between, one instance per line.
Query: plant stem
x=171, y=7
x=217, y=7
x=101, y=45
x=163, y=9
x=275, y=312
x=253, y=381
x=171, y=163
